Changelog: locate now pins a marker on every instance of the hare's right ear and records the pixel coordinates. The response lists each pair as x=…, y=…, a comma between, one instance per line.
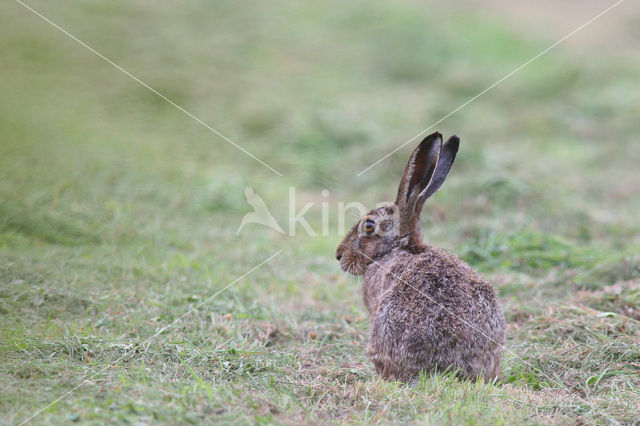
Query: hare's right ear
x=416, y=178
x=445, y=161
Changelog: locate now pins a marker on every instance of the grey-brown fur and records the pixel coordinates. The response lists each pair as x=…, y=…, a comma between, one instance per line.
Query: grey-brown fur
x=429, y=310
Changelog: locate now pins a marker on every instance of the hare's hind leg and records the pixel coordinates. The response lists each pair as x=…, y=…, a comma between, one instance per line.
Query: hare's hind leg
x=413, y=383
x=383, y=367
x=379, y=366
x=390, y=370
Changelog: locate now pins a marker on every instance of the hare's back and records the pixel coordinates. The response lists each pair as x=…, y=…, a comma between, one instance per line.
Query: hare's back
x=437, y=313
x=439, y=295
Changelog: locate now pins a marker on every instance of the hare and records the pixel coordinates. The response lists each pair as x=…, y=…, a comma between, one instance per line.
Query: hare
x=429, y=310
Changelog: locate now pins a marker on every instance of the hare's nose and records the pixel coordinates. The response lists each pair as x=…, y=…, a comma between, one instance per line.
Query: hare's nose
x=339, y=256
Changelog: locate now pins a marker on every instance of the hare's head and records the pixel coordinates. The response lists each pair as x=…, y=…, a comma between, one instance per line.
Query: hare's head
x=398, y=225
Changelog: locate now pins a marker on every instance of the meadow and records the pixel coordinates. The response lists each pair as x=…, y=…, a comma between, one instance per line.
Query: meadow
x=118, y=212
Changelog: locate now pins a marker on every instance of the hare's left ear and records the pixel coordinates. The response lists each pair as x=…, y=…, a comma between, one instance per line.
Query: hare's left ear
x=416, y=178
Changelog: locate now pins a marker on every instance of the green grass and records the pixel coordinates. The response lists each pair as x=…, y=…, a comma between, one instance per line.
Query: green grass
x=118, y=213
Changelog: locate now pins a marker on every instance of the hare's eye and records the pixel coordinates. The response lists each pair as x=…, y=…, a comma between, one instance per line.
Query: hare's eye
x=369, y=226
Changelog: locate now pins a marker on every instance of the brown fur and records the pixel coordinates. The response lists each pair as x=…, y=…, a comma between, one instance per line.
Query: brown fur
x=429, y=310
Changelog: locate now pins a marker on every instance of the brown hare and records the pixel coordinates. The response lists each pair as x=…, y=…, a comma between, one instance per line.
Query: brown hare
x=429, y=310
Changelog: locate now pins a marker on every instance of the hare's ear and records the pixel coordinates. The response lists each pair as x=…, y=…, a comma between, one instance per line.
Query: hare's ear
x=415, y=180
x=445, y=160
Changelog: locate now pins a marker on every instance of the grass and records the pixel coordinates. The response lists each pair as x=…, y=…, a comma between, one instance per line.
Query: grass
x=118, y=213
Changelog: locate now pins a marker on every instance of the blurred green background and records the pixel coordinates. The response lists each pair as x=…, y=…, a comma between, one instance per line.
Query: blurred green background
x=118, y=212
